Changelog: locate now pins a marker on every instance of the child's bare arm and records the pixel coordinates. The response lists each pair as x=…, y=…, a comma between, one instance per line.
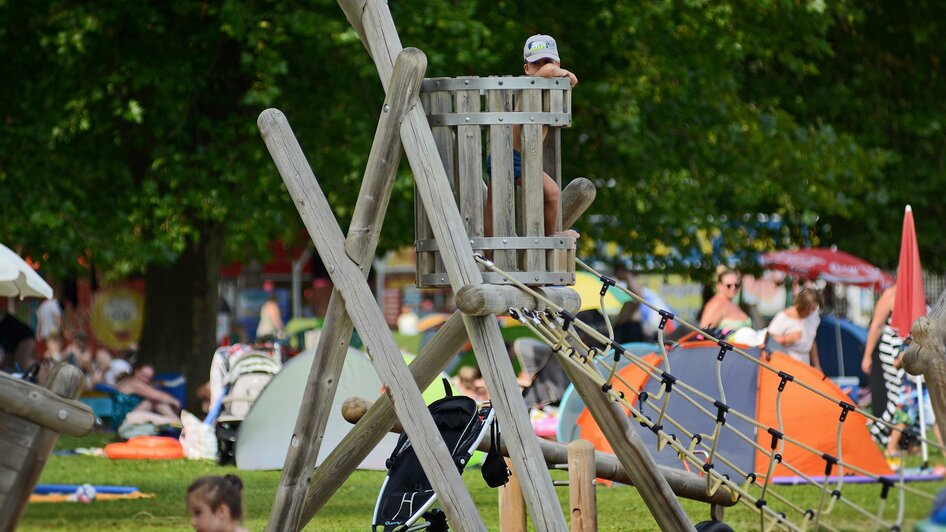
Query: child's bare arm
x=551, y=70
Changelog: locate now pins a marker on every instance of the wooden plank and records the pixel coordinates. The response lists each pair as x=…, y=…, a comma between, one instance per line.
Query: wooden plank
x=470, y=165
x=65, y=383
x=552, y=163
x=15, y=430
x=426, y=261
x=502, y=184
x=385, y=355
x=446, y=141
x=360, y=246
x=581, y=486
x=488, y=346
x=631, y=452
x=13, y=456
x=380, y=418
x=533, y=213
x=44, y=407
x=552, y=144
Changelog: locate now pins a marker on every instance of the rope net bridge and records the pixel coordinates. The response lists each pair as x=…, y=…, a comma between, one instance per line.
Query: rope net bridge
x=700, y=451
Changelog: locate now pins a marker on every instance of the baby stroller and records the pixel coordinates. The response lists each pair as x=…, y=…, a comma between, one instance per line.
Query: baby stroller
x=406, y=497
x=238, y=375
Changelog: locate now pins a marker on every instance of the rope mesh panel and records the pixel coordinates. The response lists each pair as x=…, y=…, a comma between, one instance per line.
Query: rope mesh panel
x=559, y=330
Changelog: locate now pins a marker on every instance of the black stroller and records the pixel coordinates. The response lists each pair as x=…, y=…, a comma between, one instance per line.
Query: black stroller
x=406, y=497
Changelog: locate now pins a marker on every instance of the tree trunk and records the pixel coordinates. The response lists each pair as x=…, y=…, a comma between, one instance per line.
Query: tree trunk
x=181, y=311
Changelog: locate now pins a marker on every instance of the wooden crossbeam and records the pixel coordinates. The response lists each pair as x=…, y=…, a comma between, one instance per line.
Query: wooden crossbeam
x=373, y=21
x=336, y=333
x=367, y=317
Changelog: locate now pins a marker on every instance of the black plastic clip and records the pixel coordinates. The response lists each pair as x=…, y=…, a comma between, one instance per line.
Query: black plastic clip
x=830, y=462
x=606, y=282
x=845, y=408
x=721, y=409
x=776, y=436
x=665, y=316
x=568, y=319
x=668, y=381
x=618, y=351
x=723, y=347
x=886, y=484
x=785, y=378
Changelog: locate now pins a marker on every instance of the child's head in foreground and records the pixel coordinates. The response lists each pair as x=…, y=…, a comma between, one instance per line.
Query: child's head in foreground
x=215, y=503
x=538, y=51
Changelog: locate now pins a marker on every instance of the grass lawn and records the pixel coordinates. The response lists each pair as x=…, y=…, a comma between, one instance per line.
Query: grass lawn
x=619, y=508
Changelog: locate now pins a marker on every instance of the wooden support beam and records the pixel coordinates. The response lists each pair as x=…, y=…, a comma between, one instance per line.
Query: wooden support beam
x=431, y=180
x=927, y=356
x=631, y=452
x=486, y=299
x=367, y=317
x=380, y=418
x=582, y=499
x=34, y=438
x=360, y=246
x=576, y=198
x=684, y=484
x=44, y=407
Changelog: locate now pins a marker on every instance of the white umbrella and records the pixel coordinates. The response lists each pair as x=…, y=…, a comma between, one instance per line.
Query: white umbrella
x=18, y=279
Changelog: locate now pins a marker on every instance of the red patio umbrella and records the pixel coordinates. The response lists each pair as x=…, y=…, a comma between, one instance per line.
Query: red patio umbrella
x=910, y=302
x=829, y=264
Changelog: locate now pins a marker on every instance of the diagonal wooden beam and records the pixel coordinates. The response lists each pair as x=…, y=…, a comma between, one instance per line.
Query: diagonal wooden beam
x=367, y=317
x=380, y=36
x=360, y=245
x=631, y=452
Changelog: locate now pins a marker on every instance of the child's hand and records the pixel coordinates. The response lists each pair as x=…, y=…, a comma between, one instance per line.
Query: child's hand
x=551, y=70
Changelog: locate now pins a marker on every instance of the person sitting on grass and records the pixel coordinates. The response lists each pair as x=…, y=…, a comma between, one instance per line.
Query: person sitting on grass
x=216, y=504
x=137, y=402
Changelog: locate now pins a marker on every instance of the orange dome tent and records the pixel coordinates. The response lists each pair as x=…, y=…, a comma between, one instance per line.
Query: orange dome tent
x=806, y=417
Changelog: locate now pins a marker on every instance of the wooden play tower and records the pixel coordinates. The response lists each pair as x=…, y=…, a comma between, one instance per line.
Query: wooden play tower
x=441, y=124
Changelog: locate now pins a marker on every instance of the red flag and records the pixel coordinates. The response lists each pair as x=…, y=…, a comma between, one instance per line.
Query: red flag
x=910, y=302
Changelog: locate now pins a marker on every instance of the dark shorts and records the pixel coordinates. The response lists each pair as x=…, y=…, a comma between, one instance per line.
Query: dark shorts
x=516, y=165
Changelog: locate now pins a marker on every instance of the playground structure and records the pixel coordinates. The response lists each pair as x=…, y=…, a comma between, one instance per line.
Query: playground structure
x=447, y=167
x=32, y=418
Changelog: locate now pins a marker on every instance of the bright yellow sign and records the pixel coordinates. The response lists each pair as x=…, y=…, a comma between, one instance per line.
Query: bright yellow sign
x=117, y=317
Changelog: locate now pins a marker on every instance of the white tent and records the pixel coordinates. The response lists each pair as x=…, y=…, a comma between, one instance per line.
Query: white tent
x=263, y=437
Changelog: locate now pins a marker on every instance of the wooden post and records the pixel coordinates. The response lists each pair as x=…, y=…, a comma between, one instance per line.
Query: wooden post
x=927, y=356
x=533, y=206
x=360, y=246
x=630, y=450
x=385, y=355
x=27, y=439
x=457, y=254
x=512, y=506
x=581, y=486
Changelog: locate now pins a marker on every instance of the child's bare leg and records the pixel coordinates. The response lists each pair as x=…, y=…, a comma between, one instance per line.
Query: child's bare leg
x=551, y=194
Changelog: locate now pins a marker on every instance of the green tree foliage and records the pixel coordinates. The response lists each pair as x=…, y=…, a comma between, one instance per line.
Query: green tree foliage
x=130, y=139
